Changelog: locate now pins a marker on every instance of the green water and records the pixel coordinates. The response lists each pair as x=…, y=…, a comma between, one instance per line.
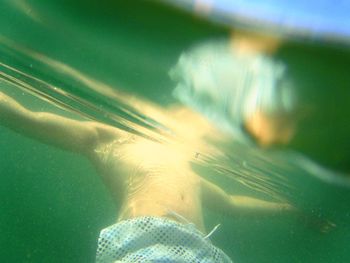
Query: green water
x=53, y=204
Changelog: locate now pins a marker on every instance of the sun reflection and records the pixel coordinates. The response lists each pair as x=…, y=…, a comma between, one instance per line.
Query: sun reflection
x=27, y=9
x=188, y=134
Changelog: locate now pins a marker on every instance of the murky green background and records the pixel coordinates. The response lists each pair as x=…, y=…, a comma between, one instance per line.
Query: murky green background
x=53, y=204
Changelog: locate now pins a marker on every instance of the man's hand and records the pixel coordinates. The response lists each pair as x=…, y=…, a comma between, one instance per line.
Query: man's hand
x=319, y=224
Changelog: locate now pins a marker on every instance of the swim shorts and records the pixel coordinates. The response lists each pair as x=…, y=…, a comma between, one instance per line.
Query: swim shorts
x=154, y=239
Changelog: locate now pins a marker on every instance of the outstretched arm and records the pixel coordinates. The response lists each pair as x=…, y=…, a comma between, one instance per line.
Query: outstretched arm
x=65, y=133
x=218, y=200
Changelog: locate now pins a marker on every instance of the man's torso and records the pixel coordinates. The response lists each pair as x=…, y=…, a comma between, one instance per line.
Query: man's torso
x=150, y=179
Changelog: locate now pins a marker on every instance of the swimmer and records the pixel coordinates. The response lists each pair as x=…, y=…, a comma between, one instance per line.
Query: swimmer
x=161, y=215
x=266, y=127
x=240, y=87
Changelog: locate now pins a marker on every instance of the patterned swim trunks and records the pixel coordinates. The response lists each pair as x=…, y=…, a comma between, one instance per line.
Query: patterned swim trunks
x=154, y=239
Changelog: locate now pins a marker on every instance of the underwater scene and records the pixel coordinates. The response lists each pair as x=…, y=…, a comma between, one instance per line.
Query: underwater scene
x=186, y=138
